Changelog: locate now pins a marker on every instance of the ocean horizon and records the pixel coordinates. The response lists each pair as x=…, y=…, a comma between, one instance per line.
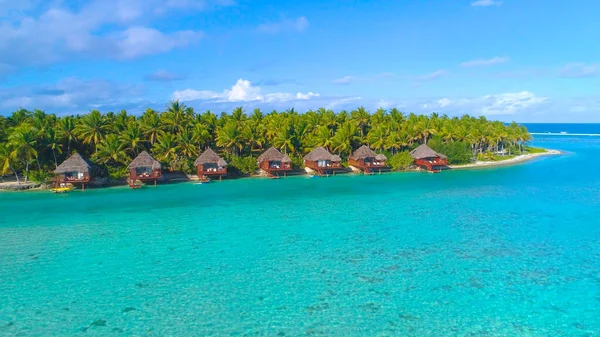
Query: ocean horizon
x=503, y=251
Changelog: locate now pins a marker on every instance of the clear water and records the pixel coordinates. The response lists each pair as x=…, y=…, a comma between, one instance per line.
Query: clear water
x=511, y=251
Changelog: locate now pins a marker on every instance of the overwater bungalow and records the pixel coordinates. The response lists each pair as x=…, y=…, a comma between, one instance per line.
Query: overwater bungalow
x=322, y=162
x=209, y=164
x=144, y=168
x=367, y=160
x=75, y=170
x=274, y=162
x=428, y=159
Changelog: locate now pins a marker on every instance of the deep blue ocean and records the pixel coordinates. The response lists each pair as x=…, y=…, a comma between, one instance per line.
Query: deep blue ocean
x=507, y=251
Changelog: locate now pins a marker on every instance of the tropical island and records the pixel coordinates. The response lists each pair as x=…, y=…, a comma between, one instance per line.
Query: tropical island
x=34, y=143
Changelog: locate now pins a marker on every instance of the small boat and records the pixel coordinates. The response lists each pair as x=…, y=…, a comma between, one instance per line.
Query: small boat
x=61, y=189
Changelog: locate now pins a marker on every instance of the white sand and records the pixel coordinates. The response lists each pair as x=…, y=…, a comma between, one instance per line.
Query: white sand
x=515, y=160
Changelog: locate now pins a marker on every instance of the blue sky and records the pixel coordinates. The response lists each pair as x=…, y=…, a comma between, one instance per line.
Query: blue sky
x=525, y=60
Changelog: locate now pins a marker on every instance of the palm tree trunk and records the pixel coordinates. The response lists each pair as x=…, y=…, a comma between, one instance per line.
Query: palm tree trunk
x=26, y=171
x=16, y=175
x=55, y=161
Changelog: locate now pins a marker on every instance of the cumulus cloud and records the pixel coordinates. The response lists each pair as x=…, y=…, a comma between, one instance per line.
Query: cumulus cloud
x=241, y=91
x=485, y=62
x=486, y=3
x=577, y=70
x=118, y=29
x=297, y=25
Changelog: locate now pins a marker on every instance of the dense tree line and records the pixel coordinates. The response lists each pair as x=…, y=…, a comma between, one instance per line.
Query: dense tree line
x=35, y=140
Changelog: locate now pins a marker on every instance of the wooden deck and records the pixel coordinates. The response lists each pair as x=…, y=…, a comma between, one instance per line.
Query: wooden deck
x=432, y=164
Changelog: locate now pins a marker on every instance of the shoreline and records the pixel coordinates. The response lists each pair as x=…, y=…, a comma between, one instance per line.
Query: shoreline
x=512, y=161
x=479, y=164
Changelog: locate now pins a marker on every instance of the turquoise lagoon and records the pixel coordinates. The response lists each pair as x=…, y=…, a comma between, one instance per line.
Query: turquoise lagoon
x=510, y=251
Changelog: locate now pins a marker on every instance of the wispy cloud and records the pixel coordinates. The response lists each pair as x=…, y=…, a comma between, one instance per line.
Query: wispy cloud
x=579, y=70
x=363, y=79
x=162, y=75
x=241, y=91
x=432, y=76
x=488, y=105
x=485, y=62
x=71, y=95
x=296, y=25
x=486, y=3
x=344, y=80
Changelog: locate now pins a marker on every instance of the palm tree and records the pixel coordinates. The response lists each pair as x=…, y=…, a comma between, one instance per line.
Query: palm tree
x=110, y=151
x=285, y=138
x=187, y=146
x=177, y=116
x=22, y=141
x=54, y=144
x=6, y=161
x=66, y=130
x=230, y=138
x=165, y=147
x=92, y=129
x=361, y=117
x=150, y=125
x=132, y=139
x=345, y=139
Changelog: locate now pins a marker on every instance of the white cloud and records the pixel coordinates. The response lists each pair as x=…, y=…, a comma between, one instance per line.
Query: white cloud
x=577, y=70
x=162, y=75
x=496, y=104
x=344, y=80
x=57, y=30
x=241, y=91
x=297, y=25
x=486, y=3
x=367, y=78
x=432, y=76
x=70, y=95
x=139, y=41
x=485, y=62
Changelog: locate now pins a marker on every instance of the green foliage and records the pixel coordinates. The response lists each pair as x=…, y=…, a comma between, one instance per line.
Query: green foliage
x=457, y=152
x=118, y=173
x=401, y=161
x=532, y=150
x=243, y=165
x=175, y=136
x=40, y=176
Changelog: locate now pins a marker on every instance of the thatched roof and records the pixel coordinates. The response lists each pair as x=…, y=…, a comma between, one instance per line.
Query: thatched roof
x=75, y=163
x=222, y=162
x=319, y=153
x=286, y=159
x=272, y=154
x=381, y=157
x=424, y=151
x=362, y=153
x=335, y=158
x=208, y=157
x=145, y=160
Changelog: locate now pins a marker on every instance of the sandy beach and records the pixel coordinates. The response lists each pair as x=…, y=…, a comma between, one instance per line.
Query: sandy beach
x=515, y=160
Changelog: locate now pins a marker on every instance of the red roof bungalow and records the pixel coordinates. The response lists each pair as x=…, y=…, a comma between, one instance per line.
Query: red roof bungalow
x=322, y=162
x=209, y=164
x=144, y=168
x=367, y=160
x=274, y=162
x=428, y=159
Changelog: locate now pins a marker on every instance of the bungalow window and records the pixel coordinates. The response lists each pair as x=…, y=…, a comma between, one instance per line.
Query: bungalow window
x=275, y=164
x=323, y=163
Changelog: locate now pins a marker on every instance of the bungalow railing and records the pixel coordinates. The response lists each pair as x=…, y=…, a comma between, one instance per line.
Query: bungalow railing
x=71, y=179
x=432, y=162
x=280, y=167
x=376, y=164
x=146, y=175
x=213, y=171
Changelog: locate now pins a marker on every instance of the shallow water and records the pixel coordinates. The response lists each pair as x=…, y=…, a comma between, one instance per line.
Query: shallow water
x=492, y=252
